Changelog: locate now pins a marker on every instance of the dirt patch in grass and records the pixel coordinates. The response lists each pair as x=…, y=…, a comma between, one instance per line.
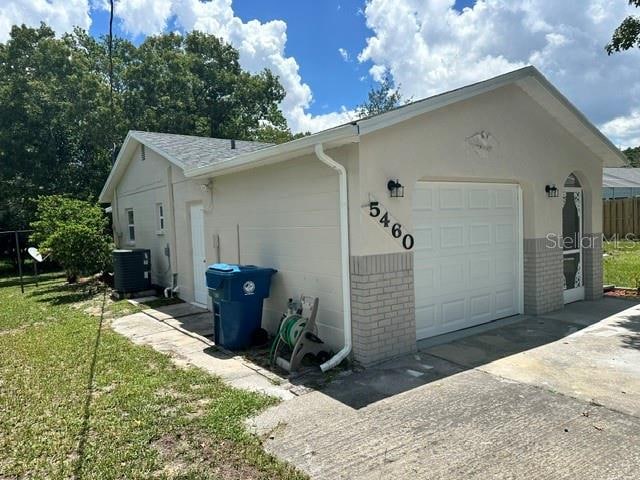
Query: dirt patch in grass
x=624, y=293
x=191, y=455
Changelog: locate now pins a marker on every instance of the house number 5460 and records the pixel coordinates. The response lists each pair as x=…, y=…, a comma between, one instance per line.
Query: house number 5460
x=386, y=221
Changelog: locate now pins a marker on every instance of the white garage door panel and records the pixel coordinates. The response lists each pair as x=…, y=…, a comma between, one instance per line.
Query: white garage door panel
x=467, y=256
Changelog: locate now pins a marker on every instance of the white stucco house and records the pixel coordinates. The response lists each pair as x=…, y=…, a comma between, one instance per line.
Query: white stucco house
x=493, y=176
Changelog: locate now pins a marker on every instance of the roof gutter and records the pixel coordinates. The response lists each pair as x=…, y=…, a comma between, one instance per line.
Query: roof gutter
x=344, y=250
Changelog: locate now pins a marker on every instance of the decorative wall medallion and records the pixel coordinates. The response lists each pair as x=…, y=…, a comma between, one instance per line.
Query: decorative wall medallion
x=482, y=143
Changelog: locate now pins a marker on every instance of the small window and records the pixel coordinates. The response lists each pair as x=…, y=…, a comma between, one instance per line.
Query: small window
x=159, y=218
x=572, y=181
x=131, y=227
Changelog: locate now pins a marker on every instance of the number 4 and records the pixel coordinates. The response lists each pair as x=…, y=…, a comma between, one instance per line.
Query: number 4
x=385, y=219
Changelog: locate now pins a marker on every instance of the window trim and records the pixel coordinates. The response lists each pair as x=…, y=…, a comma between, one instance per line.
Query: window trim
x=160, y=218
x=130, y=240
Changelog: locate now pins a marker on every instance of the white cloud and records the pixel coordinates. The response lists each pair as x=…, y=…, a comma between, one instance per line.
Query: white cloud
x=344, y=54
x=142, y=16
x=624, y=130
x=430, y=47
x=61, y=15
x=261, y=45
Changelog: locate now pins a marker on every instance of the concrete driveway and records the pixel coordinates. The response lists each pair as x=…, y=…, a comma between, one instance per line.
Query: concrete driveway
x=546, y=397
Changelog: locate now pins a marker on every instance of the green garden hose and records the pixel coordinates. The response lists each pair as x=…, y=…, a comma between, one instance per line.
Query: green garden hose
x=290, y=330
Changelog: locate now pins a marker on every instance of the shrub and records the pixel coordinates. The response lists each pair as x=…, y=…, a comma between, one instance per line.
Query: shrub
x=74, y=233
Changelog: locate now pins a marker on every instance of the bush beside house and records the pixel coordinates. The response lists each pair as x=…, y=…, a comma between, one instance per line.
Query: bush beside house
x=74, y=232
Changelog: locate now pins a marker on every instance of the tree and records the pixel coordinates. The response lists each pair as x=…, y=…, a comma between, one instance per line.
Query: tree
x=270, y=134
x=381, y=99
x=74, y=233
x=633, y=155
x=194, y=84
x=54, y=121
x=61, y=122
x=627, y=35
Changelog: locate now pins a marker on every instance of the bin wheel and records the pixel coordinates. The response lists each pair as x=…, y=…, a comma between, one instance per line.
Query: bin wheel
x=322, y=356
x=259, y=337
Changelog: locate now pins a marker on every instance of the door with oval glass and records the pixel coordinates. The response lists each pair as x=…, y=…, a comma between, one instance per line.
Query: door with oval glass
x=572, y=240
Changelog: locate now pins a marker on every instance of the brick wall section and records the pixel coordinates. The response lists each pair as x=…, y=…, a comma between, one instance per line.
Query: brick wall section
x=382, y=307
x=592, y=265
x=543, y=277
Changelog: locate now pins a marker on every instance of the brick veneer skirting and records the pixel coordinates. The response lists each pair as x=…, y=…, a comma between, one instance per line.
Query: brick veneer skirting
x=543, y=274
x=592, y=265
x=382, y=307
x=543, y=277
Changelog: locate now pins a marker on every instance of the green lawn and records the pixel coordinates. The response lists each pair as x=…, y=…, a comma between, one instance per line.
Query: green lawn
x=81, y=401
x=622, y=265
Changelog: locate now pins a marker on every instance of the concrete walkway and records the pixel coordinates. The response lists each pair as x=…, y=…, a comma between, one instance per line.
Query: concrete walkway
x=525, y=398
x=181, y=331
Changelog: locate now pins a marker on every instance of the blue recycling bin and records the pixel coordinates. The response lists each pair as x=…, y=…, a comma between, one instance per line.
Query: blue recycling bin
x=237, y=293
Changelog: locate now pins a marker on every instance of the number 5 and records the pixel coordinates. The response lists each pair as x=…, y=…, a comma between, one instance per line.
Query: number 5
x=374, y=210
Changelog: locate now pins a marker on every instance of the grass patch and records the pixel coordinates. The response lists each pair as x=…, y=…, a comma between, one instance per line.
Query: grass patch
x=121, y=308
x=622, y=264
x=78, y=400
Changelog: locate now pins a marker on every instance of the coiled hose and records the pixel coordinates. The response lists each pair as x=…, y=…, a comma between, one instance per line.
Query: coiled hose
x=290, y=330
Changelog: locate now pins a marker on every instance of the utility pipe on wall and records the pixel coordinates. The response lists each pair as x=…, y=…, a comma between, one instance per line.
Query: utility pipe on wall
x=344, y=251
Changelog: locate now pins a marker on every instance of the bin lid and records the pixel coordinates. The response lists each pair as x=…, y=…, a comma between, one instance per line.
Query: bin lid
x=224, y=267
x=233, y=269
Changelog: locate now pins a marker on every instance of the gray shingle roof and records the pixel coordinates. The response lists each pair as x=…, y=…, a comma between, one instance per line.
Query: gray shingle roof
x=621, y=177
x=194, y=152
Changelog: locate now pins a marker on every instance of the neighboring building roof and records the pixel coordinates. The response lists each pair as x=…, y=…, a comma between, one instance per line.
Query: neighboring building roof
x=529, y=79
x=621, y=177
x=194, y=152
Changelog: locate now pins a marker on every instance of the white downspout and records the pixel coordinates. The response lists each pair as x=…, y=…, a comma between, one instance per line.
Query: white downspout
x=344, y=250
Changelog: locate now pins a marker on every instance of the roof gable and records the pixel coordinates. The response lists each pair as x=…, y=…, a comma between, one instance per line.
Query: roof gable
x=531, y=81
x=184, y=151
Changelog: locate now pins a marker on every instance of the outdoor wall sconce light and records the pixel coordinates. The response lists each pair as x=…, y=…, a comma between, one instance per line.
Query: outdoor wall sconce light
x=552, y=191
x=396, y=190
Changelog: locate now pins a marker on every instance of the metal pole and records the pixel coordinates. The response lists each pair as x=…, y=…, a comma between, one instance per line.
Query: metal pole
x=35, y=269
x=238, y=236
x=19, y=261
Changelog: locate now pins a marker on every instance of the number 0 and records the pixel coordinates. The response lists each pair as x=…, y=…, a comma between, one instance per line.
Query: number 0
x=407, y=241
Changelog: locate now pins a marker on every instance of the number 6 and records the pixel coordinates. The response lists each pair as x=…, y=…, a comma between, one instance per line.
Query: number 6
x=396, y=230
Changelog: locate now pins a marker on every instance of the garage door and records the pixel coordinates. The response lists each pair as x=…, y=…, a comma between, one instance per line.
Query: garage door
x=467, y=255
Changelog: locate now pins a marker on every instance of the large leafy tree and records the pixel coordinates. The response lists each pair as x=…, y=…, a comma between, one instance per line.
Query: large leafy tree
x=54, y=121
x=59, y=130
x=194, y=84
x=627, y=35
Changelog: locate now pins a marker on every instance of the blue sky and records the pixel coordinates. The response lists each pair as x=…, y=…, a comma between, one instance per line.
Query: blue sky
x=427, y=46
x=316, y=30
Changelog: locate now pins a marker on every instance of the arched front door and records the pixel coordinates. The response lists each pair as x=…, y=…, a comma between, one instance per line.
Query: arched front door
x=572, y=240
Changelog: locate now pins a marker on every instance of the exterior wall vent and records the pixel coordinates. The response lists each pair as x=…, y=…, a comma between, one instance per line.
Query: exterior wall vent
x=143, y=153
